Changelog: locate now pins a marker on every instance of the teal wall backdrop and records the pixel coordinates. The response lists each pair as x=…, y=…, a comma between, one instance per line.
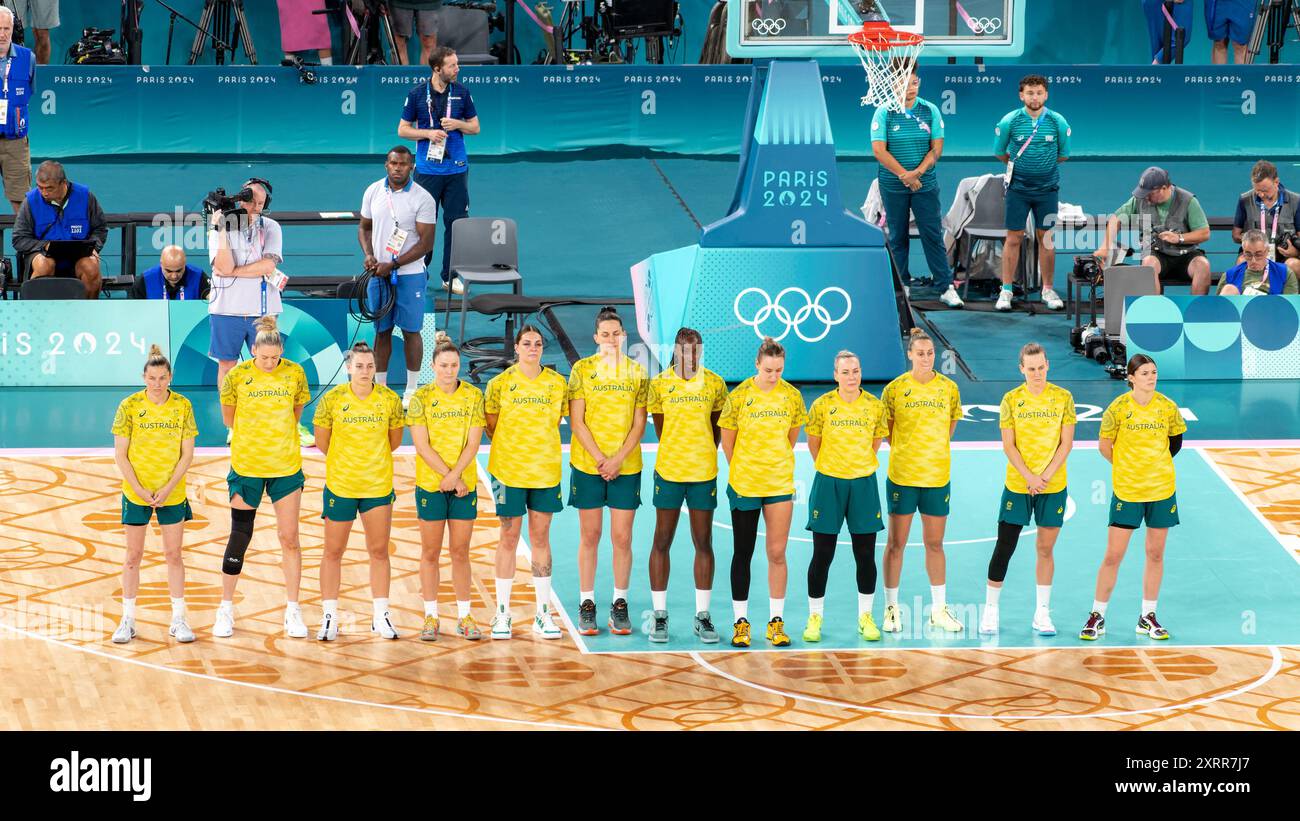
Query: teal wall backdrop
x=1214, y=337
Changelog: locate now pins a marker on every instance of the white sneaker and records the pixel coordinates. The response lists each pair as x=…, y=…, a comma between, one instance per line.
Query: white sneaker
x=125, y=631
x=224, y=627
x=989, y=621
x=1043, y=622
x=293, y=623
x=893, y=620
x=1004, y=300
x=950, y=298
x=501, y=626
x=457, y=286
x=544, y=626
x=329, y=628
x=1052, y=300
x=180, y=630
x=408, y=396
x=384, y=627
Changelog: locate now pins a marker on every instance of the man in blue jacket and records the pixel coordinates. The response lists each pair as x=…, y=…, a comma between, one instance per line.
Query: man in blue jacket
x=172, y=278
x=59, y=210
x=17, y=72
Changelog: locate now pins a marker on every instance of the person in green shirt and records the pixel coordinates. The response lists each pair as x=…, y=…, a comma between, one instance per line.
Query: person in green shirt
x=1172, y=226
x=1257, y=275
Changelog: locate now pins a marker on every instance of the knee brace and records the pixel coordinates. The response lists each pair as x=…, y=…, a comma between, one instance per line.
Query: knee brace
x=1008, y=534
x=241, y=533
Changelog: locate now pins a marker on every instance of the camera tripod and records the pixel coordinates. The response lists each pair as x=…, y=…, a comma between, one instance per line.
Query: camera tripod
x=375, y=32
x=227, y=25
x=1271, y=22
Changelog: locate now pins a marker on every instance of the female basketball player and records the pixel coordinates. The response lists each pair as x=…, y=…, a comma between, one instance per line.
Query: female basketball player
x=358, y=425
x=523, y=409
x=607, y=399
x=1037, y=421
x=760, y=423
x=261, y=399
x=153, y=444
x=845, y=427
x=1141, y=432
x=446, y=421
x=685, y=402
x=922, y=408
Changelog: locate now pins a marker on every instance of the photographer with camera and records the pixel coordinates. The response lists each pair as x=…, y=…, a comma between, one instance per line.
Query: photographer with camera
x=1171, y=227
x=1258, y=275
x=1279, y=214
x=62, y=227
x=19, y=73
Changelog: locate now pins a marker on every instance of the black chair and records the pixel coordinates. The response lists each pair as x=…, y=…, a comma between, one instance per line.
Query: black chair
x=52, y=288
x=989, y=224
x=516, y=308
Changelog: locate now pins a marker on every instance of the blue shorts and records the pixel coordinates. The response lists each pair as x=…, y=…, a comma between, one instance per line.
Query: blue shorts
x=1042, y=203
x=229, y=333
x=408, y=313
x=1230, y=20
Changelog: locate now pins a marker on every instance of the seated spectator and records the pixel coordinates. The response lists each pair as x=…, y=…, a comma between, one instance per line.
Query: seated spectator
x=1258, y=274
x=63, y=212
x=1172, y=226
x=172, y=278
x=1278, y=210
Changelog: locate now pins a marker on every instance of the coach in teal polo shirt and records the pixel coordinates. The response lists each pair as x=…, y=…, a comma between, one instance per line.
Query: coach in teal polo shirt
x=1033, y=141
x=908, y=145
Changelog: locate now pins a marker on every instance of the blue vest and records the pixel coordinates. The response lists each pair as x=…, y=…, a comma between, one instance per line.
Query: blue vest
x=21, y=60
x=72, y=224
x=155, y=286
x=1276, y=277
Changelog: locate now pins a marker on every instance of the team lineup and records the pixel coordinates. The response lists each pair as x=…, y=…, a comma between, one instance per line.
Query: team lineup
x=608, y=398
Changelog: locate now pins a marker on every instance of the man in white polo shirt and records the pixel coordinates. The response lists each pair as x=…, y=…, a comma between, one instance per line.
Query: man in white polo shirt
x=398, y=221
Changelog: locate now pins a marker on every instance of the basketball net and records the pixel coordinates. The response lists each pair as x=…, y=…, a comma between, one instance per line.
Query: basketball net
x=888, y=56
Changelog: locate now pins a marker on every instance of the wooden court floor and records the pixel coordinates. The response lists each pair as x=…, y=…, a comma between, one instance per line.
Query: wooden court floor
x=60, y=560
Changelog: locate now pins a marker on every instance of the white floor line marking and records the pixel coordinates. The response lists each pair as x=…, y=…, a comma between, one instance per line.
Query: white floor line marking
x=865, y=648
x=1259, y=682
x=1242, y=496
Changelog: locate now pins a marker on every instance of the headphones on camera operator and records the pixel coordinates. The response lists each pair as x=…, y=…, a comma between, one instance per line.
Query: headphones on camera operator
x=247, y=187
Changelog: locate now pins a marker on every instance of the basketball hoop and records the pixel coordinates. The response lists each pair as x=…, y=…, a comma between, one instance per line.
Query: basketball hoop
x=888, y=56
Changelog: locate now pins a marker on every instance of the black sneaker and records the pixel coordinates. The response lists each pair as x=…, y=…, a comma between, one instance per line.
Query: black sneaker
x=1095, y=628
x=587, y=618
x=1147, y=624
x=619, y=623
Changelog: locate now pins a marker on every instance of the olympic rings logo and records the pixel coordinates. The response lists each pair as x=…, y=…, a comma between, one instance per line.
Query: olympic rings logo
x=793, y=321
x=985, y=25
x=767, y=25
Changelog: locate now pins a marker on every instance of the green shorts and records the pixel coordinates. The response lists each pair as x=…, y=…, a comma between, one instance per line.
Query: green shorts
x=133, y=514
x=834, y=500
x=345, y=509
x=1131, y=515
x=588, y=491
x=439, y=506
x=696, y=495
x=739, y=502
x=514, y=501
x=250, y=488
x=1046, y=509
x=904, y=500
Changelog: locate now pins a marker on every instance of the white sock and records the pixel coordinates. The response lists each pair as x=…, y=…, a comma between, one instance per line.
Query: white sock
x=1100, y=607
x=659, y=599
x=702, y=600
x=865, y=602
x=619, y=594
x=291, y=606
x=740, y=608
x=776, y=608
x=178, y=607
x=938, y=595
x=891, y=597
x=128, y=608
x=431, y=608
x=412, y=381
x=503, y=595
x=462, y=609
x=542, y=587
x=1148, y=606
x=380, y=607
x=1044, y=592
x=991, y=595
x=817, y=606
x=587, y=595
x=381, y=379
x=327, y=61
x=226, y=604
x=330, y=607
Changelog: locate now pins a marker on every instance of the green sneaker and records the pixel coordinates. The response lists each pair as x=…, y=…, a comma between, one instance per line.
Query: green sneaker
x=659, y=633
x=620, y=624
x=704, y=629
x=867, y=627
x=813, y=630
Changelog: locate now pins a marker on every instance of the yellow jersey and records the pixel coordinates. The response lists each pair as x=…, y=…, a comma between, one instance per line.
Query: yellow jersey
x=762, y=462
x=447, y=419
x=920, y=419
x=611, y=395
x=265, y=442
x=1141, y=468
x=359, y=464
x=1037, y=421
x=156, y=433
x=848, y=430
x=525, y=451
x=687, y=451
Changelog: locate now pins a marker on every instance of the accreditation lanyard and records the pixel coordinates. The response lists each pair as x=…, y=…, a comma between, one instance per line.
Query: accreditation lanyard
x=9, y=61
x=440, y=154
x=180, y=293
x=397, y=240
x=1011, y=164
x=258, y=255
x=922, y=124
x=1277, y=212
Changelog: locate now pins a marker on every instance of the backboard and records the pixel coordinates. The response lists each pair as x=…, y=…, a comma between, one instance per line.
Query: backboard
x=818, y=28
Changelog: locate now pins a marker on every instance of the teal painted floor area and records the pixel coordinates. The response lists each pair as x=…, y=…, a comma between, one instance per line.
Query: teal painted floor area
x=1227, y=579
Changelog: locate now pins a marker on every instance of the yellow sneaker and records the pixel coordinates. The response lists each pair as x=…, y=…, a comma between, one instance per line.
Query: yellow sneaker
x=867, y=627
x=943, y=619
x=776, y=632
x=812, y=631
x=741, y=637
x=893, y=620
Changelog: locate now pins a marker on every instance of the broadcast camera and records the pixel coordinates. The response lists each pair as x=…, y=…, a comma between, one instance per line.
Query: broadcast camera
x=219, y=200
x=96, y=47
